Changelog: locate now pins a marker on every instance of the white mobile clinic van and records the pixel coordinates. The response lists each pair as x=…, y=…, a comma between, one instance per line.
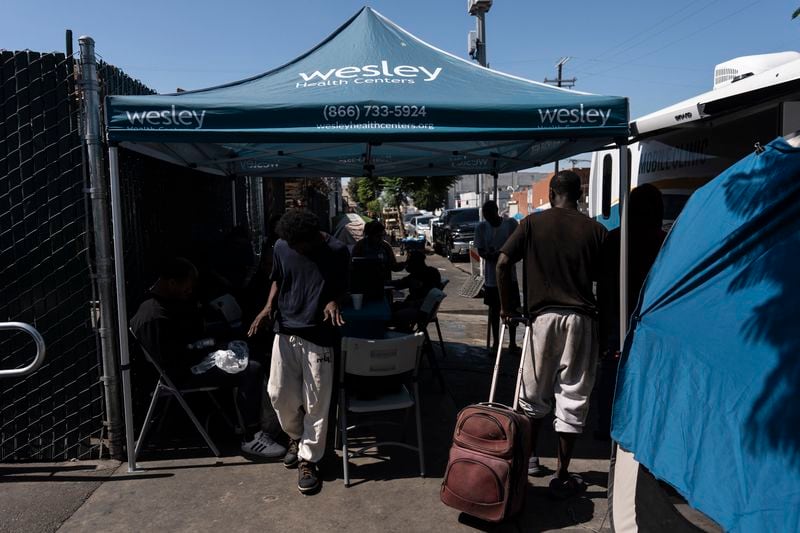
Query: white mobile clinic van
x=681, y=147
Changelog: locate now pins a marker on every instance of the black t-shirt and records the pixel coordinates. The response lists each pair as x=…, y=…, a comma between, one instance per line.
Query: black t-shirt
x=562, y=249
x=164, y=328
x=420, y=283
x=306, y=283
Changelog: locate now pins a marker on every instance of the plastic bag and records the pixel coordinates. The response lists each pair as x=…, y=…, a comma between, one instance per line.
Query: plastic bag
x=205, y=364
x=233, y=360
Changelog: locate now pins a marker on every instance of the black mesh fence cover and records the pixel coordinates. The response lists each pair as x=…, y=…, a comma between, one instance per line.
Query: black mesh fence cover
x=56, y=412
x=46, y=248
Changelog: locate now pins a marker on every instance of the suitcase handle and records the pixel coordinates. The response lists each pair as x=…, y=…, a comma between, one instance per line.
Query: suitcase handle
x=525, y=346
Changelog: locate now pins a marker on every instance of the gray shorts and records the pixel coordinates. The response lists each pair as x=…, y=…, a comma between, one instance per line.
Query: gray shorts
x=562, y=368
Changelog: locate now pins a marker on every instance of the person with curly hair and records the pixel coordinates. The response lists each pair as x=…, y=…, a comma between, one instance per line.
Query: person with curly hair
x=309, y=278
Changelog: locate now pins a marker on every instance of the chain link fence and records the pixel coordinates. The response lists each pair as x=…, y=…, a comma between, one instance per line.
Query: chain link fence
x=45, y=276
x=46, y=263
x=47, y=249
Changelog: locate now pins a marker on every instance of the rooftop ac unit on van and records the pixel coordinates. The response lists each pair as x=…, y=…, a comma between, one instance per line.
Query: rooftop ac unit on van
x=743, y=67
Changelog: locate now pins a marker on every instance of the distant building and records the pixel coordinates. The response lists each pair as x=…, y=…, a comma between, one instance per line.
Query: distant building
x=536, y=196
x=463, y=193
x=349, y=203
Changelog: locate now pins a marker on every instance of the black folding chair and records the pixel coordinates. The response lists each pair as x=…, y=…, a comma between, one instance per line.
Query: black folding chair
x=165, y=387
x=427, y=315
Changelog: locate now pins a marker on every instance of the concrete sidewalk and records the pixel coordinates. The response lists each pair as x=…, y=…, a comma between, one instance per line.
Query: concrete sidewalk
x=209, y=494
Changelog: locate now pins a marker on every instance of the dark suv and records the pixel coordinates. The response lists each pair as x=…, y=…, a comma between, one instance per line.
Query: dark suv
x=458, y=230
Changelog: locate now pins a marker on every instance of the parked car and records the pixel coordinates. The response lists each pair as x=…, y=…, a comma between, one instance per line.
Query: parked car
x=420, y=224
x=437, y=233
x=458, y=230
x=427, y=230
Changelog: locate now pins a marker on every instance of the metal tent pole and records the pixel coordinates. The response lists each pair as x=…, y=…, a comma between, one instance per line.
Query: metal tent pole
x=480, y=21
x=624, y=192
x=233, y=201
x=122, y=311
x=106, y=328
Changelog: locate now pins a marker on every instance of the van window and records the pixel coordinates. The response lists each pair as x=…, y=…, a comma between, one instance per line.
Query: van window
x=606, y=186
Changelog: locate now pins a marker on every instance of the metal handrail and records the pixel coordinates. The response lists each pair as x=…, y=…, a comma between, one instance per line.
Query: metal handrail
x=40, y=349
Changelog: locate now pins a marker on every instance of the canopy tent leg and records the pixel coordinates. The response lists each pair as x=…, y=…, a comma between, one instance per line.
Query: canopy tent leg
x=233, y=200
x=122, y=311
x=623, y=474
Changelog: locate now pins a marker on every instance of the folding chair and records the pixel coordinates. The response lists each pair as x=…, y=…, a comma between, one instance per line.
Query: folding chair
x=427, y=315
x=430, y=310
x=367, y=358
x=166, y=388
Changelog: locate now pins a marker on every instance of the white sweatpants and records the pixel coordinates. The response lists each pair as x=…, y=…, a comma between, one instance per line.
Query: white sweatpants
x=300, y=387
x=563, y=367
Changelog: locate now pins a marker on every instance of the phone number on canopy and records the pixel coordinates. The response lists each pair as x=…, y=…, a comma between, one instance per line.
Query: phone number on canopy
x=331, y=112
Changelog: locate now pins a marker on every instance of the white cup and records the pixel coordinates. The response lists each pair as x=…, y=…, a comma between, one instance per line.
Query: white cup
x=358, y=300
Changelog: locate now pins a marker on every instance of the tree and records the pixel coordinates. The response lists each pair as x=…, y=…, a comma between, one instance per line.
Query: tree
x=427, y=193
x=395, y=193
x=364, y=190
x=352, y=189
x=430, y=193
x=374, y=207
x=395, y=196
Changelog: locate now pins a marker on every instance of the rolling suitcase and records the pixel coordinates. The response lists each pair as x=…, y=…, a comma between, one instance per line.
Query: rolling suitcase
x=487, y=471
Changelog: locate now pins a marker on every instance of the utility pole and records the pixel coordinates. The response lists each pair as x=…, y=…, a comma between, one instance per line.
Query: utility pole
x=477, y=50
x=561, y=82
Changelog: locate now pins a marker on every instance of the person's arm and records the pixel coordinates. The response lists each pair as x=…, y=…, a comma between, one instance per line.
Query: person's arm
x=338, y=291
x=511, y=252
x=394, y=265
x=403, y=283
x=268, y=313
x=480, y=244
x=504, y=284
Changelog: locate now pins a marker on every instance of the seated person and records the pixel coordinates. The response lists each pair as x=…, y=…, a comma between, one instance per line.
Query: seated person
x=420, y=280
x=169, y=322
x=373, y=246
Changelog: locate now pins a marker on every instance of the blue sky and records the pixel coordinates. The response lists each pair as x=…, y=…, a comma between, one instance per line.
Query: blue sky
x=656, y=53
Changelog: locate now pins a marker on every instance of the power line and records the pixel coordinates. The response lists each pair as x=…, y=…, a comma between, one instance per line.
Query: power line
x=597, y=60
x=648, y=33
x=560, y=81
x=703, y=28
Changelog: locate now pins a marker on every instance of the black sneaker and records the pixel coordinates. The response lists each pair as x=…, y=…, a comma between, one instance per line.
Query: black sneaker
x=290, y=459
x=307, y=477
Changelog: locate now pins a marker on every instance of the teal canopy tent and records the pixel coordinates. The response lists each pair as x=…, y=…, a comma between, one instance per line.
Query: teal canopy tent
x=370, y=99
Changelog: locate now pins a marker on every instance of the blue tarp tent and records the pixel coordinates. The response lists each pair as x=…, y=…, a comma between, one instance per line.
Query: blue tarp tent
x=707, y=395
x=371, y=99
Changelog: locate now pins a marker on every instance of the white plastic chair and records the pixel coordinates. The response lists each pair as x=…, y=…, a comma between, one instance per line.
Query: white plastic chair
x=369, y=358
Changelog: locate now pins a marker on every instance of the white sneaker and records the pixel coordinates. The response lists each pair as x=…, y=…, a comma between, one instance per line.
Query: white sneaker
x=262, y=445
